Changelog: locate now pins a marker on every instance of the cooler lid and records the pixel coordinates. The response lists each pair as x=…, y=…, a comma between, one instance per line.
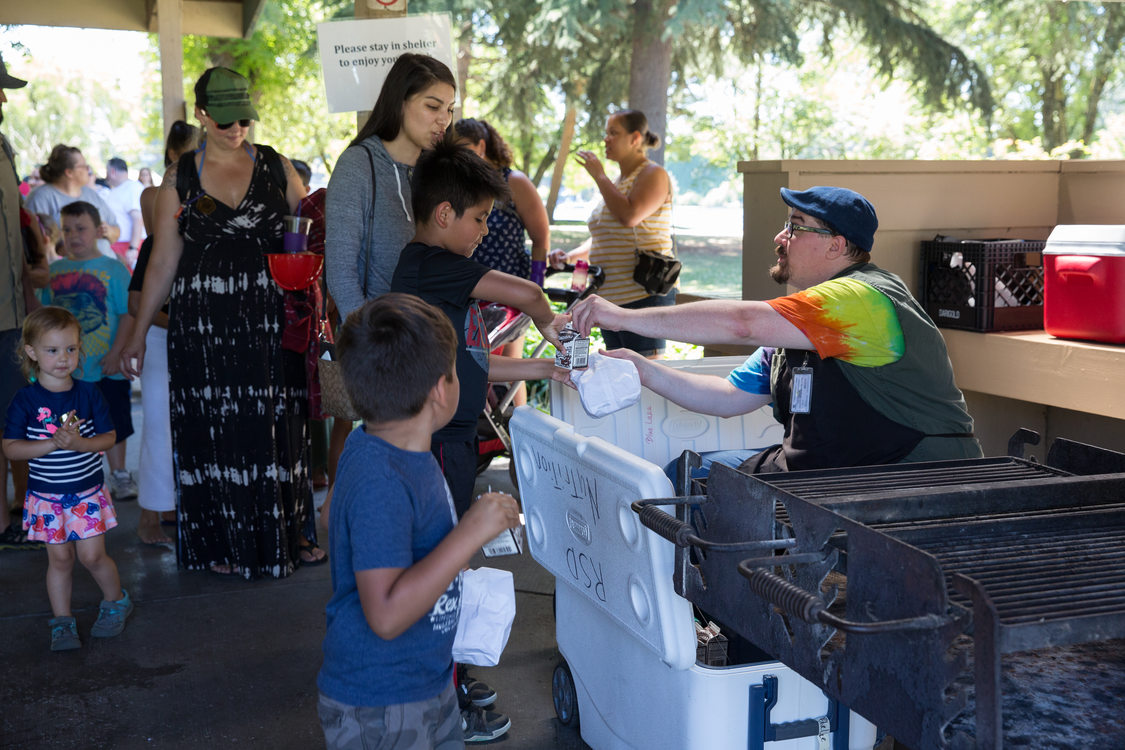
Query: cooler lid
x=1086, y=239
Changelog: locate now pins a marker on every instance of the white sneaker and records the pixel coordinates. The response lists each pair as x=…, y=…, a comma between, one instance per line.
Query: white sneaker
x=122, y=486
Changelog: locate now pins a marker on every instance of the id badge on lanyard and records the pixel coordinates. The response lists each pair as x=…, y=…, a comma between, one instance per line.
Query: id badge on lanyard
x=800, y=392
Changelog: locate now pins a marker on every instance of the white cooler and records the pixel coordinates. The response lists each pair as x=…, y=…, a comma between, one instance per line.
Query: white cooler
x=628, y=640
x=658, y=431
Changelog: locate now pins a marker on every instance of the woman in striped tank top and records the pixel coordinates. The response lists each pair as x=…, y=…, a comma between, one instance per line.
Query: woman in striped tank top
x=636, y=212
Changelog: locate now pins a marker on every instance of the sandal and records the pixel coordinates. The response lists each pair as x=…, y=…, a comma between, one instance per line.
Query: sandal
x=308, y=554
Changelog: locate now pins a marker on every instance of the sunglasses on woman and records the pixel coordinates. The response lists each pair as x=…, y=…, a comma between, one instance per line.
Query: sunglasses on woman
x=226, y=125
x=245, y=122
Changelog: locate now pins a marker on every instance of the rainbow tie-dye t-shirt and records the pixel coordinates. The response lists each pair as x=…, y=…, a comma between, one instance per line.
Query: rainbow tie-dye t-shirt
x=843, y=318
x=846, y=319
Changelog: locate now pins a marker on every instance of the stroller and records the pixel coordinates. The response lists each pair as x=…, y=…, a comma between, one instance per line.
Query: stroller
x=505, y=325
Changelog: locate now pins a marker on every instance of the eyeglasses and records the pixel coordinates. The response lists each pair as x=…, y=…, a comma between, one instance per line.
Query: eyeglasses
x=792, y=228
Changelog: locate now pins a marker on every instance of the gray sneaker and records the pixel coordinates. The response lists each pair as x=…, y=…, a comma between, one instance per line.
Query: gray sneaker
x=480, y=725
x=112, y=616
x=64, y=634
x=121, y=485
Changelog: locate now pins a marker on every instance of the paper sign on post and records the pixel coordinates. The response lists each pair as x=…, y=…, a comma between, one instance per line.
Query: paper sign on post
x=356, y=55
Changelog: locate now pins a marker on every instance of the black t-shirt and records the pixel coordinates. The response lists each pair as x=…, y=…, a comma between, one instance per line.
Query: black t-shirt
x=446, y=280
x=138, y=279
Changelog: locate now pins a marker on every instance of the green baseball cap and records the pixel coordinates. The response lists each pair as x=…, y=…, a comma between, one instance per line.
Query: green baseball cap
x=224, y=95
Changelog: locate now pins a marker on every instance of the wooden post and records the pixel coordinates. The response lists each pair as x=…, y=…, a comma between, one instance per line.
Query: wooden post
x=377, y=9
x=560, y=160
x=170, y=31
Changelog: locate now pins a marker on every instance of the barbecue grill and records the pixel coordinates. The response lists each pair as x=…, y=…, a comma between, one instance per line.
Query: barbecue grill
x=918, y=594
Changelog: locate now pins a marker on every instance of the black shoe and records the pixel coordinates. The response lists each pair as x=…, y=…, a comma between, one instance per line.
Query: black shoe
x=14, y=537
x=483, y=726
x=472, y=692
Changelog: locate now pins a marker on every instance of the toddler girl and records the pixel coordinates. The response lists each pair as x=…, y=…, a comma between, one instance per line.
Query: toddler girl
x=61, y=425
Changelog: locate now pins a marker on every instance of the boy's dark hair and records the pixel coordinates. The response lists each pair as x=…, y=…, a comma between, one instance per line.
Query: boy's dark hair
x=81, y=208
x=118, y=163
x=453, y=173
x=392, y=351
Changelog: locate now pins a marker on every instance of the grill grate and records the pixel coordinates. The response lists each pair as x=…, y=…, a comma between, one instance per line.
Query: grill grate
x=1021, y=556
x=831, y=483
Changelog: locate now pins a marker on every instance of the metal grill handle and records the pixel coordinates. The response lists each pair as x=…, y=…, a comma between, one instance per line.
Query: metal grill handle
x=811, y=608
x=671, y=528
x=783, y=594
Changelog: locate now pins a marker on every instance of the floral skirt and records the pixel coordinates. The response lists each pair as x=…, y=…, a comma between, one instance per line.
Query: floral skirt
x=57, y=519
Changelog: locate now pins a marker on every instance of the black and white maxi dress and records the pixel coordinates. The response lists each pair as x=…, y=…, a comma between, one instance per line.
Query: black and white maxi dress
x=238, y=400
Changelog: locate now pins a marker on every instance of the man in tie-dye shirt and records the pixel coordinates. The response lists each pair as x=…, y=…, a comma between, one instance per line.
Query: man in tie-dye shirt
x=857, y=372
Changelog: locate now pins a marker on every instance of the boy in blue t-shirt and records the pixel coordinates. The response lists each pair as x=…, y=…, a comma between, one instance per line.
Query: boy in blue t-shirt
x=397, y=549
x=95, y=289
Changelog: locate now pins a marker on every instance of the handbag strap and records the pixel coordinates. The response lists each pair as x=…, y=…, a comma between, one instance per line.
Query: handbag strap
x=672, y=222
x=369, y=225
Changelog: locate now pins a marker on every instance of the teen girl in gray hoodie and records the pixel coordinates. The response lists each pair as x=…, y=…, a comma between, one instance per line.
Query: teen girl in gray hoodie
x=364, y=236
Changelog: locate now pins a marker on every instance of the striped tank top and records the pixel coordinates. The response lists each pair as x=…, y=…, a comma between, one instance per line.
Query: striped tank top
x=614, y=245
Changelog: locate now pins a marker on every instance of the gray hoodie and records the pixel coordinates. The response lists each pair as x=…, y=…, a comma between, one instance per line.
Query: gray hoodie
x=352, y=226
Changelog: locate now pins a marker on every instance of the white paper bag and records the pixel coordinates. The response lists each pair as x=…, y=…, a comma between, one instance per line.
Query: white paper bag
x=608, y=384
x=488, y=606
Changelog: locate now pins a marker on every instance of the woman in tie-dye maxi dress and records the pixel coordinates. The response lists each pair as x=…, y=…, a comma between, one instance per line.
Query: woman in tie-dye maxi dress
x=238, y=400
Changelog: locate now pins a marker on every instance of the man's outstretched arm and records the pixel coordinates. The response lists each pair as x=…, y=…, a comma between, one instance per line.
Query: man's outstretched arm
x=739, y=322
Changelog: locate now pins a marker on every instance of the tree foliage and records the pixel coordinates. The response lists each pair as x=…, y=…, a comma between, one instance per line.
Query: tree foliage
x=1050, y=64
x=745, y=79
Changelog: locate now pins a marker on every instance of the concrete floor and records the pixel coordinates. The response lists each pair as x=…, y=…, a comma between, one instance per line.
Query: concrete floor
x=208, y=660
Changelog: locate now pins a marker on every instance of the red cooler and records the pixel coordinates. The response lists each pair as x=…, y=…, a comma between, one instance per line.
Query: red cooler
x=1084, y=282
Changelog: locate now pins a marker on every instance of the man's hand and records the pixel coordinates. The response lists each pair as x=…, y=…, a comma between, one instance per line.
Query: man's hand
x=596, y=311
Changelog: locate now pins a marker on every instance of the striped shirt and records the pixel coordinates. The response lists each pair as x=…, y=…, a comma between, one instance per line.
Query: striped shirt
x=614, y=245
x=35, y=413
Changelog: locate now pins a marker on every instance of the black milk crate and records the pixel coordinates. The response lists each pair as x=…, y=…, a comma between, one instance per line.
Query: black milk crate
x=987, y=285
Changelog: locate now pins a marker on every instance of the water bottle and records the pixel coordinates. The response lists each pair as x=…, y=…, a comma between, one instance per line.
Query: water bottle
x=578, y=278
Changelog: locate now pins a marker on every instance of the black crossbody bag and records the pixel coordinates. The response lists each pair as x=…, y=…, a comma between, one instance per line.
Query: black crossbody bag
x=655, y=272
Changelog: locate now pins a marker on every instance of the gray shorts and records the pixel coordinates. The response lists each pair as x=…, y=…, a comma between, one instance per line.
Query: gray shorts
x=433, y=724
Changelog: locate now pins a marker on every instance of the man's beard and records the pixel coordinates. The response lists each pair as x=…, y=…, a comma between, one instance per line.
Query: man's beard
x=779, y=273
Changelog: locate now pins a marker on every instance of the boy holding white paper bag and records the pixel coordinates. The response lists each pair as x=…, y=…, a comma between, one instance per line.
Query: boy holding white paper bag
x=397, y=549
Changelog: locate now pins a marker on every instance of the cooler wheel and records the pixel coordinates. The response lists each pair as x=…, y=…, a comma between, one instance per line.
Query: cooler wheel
x=565, y=695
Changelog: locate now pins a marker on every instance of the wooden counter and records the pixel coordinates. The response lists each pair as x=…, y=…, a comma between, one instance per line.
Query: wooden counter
x=1037, y=367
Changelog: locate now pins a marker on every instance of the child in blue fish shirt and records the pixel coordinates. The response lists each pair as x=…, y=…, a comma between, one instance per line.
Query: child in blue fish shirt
x=96, y=289
x=60, y=425
x=397, y=548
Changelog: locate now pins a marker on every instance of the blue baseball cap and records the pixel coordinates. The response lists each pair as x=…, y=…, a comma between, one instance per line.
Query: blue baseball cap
x=846, y=211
